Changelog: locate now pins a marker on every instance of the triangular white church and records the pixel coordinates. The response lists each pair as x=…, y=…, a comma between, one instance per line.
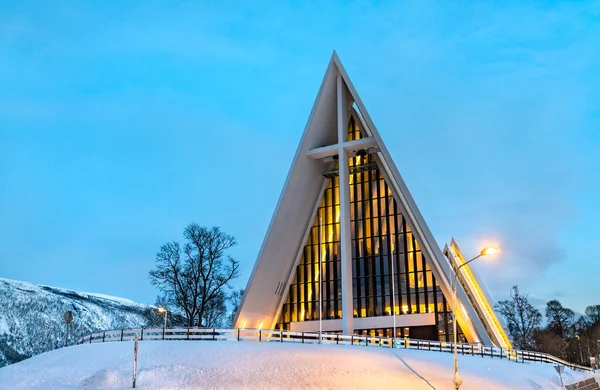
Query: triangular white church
x=348, y=245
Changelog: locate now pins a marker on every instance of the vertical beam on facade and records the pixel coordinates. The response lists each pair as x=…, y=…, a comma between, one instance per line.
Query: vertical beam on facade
x=345, y=233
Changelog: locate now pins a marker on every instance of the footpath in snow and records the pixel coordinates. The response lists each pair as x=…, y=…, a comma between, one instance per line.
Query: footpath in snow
x=251, y=365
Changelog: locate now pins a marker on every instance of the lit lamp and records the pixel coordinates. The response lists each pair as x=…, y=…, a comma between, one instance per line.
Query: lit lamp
x=488, y=250
x=163, y=310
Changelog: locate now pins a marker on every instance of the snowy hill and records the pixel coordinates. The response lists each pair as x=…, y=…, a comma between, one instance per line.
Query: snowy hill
x=31, y=317
x=244, y=365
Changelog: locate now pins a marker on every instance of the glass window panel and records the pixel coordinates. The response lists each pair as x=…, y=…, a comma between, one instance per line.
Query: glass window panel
x=411, y=280
x=375, y=223
x=368, y=246
x=293, y=295
x=411, y=261
x=387, y=285
x=429, y=277
x=409, y=242
x=419, y=261
x=420, y=279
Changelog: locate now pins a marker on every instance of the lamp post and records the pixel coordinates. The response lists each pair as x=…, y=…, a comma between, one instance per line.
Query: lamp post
x=393, y=302
x=163, y=310
x=484, y=252
x=580, y=353
x=320, y=278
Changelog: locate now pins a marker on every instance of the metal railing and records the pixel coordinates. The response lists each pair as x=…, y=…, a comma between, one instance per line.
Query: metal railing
x=264, y=335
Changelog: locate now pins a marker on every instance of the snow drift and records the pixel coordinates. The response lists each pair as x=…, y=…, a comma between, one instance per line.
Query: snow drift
x=251, y=365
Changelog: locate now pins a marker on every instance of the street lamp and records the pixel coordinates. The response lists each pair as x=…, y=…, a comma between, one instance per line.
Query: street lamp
x=580, y=353
x=163, y=310
x=488, y=250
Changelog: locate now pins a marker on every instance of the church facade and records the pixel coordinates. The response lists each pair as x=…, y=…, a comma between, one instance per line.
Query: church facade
x=347, y=250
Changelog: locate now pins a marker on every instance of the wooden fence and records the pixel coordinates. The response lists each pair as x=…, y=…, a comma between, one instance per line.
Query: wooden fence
x=264, y=335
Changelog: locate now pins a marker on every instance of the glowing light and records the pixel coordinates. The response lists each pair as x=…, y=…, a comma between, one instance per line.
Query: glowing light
x=478, y=296
x=161, y=310
x=488, y=250
x=244, y=324
x=404, y=309
x=260, y=326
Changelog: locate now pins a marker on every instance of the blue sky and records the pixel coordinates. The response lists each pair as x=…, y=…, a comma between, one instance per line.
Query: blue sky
x=120, y=123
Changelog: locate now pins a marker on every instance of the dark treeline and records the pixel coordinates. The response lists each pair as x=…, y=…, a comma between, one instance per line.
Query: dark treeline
x=564, y=336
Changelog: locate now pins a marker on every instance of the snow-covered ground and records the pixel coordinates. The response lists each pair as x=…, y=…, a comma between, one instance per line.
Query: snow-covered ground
x=245, y=365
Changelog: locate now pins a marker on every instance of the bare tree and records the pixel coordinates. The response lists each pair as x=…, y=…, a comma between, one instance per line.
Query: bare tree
x=549, y=342
x=592, y=314
x=521, y=317
x=172, y=276
x=212, y=269
x=560, y=319
x=195, y=278
x=235, y=299
x=215, y=312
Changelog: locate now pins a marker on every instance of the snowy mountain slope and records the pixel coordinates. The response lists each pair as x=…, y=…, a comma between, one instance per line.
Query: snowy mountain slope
x=31, y=317
x=251, y=365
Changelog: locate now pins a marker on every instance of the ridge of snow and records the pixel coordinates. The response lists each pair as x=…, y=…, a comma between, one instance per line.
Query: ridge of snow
x=38, y=287
x=252, y=365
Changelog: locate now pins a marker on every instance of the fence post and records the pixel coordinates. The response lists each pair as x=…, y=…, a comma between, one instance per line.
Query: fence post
x=142, y=338
x=281, y=335
x=259, y=335
x=352, y=340
x=164, y=332
x=103, y=335
x=214, y=334
x=188, y=333
x=135, y=351
x=337, y=341
x=91, y=334
x=121, y=334
x=238, y=334
x=380, y=342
